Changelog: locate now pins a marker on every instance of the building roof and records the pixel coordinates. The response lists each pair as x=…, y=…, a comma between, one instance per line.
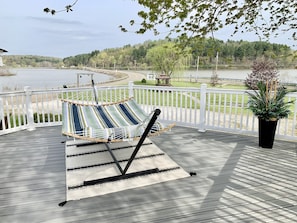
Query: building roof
x=3, y=51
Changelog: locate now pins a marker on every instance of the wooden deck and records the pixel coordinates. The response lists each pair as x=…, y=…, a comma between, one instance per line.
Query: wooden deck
x=236, y=181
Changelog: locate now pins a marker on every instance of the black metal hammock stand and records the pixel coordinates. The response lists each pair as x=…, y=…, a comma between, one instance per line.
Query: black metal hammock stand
x=113, y=122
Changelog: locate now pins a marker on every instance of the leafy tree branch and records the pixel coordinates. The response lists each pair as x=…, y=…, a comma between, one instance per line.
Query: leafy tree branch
x=200, y=18
x=68, y=8
x=192, y=18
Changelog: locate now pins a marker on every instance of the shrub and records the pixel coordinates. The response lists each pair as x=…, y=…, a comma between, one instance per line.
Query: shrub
x=262, y=71
x=214, y=79
x=269, y=103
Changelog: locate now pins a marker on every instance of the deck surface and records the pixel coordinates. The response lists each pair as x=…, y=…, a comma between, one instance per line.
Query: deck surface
x=236, y=181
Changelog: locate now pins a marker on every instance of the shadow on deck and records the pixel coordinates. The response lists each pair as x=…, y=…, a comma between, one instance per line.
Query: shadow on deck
x=236, y=181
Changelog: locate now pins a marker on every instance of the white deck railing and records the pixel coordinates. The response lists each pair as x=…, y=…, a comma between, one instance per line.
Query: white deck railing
x=202, y=108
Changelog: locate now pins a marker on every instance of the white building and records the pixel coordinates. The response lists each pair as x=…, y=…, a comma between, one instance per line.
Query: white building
x=1, y=52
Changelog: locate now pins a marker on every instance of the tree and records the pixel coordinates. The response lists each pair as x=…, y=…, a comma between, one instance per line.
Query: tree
x=165, y=58
x=263, y=70
x=201, y=17
x=190, y=18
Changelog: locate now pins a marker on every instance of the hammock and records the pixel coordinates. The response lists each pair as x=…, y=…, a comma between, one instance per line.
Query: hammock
x=112, y=122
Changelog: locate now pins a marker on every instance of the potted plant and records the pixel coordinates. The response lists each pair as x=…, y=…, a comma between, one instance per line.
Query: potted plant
x=268, y=103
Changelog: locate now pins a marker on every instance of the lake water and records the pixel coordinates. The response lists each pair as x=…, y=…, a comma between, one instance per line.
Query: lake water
x=285, y=75
x=56, y=78
x=48, y=78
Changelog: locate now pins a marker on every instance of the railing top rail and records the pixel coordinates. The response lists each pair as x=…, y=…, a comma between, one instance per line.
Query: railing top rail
x=218, y=90
x=166, y=88
x=12, y=93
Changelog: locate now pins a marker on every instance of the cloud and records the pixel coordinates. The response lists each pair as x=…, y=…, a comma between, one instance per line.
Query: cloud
x=62, y=30
x=54, y=20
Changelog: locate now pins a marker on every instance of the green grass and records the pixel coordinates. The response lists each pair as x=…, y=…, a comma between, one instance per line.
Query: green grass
x=16, y=121
x=194, y=84
x=46, y=118
x=167, y=98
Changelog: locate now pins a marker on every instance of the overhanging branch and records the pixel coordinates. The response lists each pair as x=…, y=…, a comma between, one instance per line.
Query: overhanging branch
x=68, y=8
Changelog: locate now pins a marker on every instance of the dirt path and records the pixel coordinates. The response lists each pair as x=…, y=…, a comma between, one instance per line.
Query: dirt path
x=122, y=77
x=131, y=76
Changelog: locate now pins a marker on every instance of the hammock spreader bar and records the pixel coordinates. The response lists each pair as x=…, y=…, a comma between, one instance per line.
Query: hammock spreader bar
x=124, y=174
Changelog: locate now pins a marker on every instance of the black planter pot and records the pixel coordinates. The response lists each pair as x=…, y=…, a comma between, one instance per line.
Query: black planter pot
x=266, y=133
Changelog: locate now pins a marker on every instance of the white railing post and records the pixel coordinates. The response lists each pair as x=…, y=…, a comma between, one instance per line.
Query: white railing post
x=201, y=126
x=1, y=109
x=131, y=85
x=29, y=110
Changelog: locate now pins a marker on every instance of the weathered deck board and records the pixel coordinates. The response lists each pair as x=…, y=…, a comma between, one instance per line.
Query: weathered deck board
x=236, y=182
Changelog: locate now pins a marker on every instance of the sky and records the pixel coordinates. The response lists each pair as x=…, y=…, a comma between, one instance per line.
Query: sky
x=92, y=25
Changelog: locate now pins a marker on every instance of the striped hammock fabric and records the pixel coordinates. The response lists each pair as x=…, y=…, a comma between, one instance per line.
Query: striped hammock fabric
x=111, y=122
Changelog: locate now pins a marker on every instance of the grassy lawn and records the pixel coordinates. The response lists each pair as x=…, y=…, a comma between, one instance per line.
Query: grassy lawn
x=233, y=103
x=238, y=86
x=217, y=102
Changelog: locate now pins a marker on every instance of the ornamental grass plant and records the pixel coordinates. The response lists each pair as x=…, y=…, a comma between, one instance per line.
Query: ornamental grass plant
x=269, y=101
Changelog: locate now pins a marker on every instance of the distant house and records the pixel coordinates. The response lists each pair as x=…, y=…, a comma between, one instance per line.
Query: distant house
x=1, y=52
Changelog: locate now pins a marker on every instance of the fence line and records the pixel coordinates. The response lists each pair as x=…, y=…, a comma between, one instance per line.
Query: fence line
x=202, y=108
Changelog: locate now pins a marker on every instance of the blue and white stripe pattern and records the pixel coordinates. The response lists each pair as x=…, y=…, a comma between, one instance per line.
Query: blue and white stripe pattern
x=112, y=122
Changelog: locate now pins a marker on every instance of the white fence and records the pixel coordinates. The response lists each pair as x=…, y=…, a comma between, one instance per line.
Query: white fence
x=202, y=108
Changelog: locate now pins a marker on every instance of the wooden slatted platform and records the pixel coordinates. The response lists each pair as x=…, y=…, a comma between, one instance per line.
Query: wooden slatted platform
x=236, y=181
